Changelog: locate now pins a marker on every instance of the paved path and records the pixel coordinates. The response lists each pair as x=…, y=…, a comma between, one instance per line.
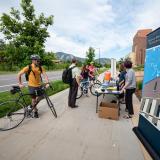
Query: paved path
x=77, y=134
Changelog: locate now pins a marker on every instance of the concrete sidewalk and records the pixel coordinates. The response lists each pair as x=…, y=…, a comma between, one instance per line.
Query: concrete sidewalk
x=77, y=134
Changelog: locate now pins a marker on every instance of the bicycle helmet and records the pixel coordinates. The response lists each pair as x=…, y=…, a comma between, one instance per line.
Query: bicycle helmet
x=35, y=57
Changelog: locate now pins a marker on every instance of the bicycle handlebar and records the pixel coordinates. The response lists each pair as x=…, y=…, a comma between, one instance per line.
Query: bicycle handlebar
x=16, y=89
x=44, y=85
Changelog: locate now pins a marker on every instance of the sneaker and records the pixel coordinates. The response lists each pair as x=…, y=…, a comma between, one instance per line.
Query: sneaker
x=29, y=108
x=36, y=114
x=127, y=116
x=29, y=111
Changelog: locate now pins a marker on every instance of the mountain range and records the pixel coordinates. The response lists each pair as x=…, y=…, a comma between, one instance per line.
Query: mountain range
x=68, y=57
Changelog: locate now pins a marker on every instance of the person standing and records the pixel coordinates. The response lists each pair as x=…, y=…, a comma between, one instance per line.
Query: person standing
x=129, y=88
x=74, y=84
x=91, y=69
x=121, y=76
x=34, y=80
x=121, y=81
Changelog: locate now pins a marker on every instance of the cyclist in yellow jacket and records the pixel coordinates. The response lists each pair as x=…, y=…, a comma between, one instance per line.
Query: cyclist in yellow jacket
x=34, y=72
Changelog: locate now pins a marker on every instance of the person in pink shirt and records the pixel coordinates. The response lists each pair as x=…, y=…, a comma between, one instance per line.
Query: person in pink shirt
x=92, y=70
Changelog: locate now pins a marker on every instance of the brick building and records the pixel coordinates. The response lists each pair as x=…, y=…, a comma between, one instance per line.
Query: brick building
x=139, y=46
x=132, y=57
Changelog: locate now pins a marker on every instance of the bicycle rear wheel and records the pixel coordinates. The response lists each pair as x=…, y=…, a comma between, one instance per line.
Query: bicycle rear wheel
x=51, y=106
x=79, y=92
x=12, y=113
x=93, y=88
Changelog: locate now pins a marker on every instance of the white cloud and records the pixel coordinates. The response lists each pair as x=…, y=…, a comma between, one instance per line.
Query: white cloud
x=103, y=24
x=64, y=44
x=149, y=17
x=82, y=26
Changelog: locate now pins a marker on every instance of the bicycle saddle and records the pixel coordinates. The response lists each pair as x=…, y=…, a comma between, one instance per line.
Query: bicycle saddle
x=15, y=89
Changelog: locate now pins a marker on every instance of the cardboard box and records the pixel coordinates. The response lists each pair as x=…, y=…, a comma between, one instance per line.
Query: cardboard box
x=109, y=110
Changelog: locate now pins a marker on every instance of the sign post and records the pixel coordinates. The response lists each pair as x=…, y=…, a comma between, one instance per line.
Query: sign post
x=113, y=68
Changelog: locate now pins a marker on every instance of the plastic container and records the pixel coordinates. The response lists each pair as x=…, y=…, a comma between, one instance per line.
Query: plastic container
x=107, y=76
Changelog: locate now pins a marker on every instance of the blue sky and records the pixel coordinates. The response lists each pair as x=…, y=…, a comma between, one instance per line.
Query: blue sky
x=106, y=24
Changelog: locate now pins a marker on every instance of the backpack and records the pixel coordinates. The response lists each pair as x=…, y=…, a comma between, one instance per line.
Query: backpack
x=30, y=70
x=67, y=75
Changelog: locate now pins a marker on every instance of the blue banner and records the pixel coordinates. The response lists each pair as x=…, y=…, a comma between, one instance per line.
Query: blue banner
x=152, y=64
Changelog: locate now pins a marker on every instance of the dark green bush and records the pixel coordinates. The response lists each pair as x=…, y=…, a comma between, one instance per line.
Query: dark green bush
x=139, y=85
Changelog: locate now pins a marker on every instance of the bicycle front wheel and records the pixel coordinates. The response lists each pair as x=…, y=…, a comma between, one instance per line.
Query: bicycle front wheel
x=12, y=113
x=51, y=106
x=93, y=88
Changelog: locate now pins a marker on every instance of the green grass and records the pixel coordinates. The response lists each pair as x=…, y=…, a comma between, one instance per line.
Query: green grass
x=57, y=87
x=5, y=96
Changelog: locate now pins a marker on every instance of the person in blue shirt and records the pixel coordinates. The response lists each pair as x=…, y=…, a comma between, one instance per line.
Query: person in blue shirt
x=121, y=76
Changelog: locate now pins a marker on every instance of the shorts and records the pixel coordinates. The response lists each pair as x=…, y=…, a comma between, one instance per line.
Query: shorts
x=35, y=91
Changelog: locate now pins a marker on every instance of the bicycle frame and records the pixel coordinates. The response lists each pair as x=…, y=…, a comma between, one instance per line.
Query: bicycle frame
x=22, y=97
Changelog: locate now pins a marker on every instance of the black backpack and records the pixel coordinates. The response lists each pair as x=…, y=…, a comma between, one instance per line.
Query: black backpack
x=30, y=70
x=67, y=75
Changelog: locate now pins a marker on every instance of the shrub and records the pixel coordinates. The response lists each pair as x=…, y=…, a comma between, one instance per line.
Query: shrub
x=139, y=85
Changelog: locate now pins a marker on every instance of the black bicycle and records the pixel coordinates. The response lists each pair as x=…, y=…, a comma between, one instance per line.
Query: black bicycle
x=15, y=111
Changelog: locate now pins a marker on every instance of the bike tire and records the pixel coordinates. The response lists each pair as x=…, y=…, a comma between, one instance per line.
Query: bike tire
x=97, y=81
x=93, y=87
x=51, y=106
x=79, y=93
x=12, y=114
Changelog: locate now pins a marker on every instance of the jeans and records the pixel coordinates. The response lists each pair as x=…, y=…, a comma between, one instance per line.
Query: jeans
x=85, y=84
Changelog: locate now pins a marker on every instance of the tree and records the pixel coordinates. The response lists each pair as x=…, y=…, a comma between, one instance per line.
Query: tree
x=127, y=59
x=2, y=51
x=2, y=45
x=79, y=63
x=97, y=64
x=48, y=59
x=25, y=31
x=121, y=61
x=107, y=65
x=90, y=55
